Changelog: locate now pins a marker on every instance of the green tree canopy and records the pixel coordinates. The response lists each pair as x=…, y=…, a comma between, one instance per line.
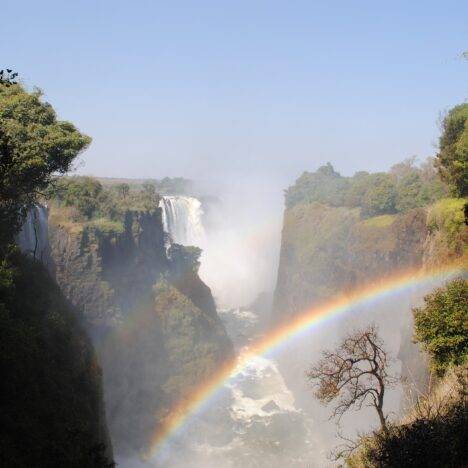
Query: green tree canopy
x=324, y=186
x=84, y=193
x=452, y=159
x=34, y=145
x=441, y=325
x=380, y=196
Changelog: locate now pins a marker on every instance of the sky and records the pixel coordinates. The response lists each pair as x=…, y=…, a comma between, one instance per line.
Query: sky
x=254, y=90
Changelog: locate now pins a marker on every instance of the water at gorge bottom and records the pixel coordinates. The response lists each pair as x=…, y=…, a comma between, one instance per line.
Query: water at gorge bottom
x=252, y=421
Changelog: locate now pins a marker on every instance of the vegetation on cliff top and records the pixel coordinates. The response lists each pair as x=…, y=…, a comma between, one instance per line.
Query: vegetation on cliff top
x=85, y=201
x=441, y=325
x=52, y=409
x=452, y=158
x=34, y=145
x=405, y=187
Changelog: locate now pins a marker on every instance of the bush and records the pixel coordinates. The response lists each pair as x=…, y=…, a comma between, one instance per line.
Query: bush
x=426, y=442
x=324, y=186
x=452, y=159
x=405, y=187
x=441, y=325
x=84, y=193
x=447, y=215
x=380, y=196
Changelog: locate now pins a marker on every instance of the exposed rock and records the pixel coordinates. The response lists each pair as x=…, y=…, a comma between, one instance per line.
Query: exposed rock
x=152, y=318
x=270, y=407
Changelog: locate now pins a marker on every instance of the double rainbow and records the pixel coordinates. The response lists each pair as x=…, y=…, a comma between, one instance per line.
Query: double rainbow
x=305, y=322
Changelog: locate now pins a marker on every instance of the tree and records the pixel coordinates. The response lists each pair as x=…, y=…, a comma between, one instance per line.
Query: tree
x=355, y=373
x=34, y=146
x=441, y=325
x=84, y=193
x=323, y=186
x=150, y=195
x=380, y=197
x=123, y=190
x=452, y=158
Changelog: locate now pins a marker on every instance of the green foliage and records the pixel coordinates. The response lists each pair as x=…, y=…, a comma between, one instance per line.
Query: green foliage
x=174, y=186
x=149, y=195
x=185, y=257
x=380, y=196
x=452, y=159
x=34, y=145
x=447, y=215
x=107, y=226
x=405, y=187
x=84, y=193
x=195, y=343
x=51, y=398
x=324, y=186
x=416, y=187
x=441, y=325
x=123, y=190
x=382, y=221
x=98, y=205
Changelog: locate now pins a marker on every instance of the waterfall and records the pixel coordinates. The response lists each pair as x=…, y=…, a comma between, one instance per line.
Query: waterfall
x=34, y=235
x=182, y=219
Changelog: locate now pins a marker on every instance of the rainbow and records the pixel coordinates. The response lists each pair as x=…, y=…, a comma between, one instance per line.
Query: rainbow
x=305, y=322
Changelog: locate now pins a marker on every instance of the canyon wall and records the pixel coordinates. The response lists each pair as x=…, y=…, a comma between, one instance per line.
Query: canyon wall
x=329, y=247
x=152, y=319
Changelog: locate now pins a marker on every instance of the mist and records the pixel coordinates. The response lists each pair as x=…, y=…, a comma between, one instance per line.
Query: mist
x=241, y=247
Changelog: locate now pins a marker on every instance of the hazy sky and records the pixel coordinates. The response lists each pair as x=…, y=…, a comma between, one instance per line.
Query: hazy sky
x=208, y=88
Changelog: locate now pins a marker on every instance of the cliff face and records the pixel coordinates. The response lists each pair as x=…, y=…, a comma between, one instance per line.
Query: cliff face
x=153, y=320
x=326, y=250
x=104, y=271
x=52, y=407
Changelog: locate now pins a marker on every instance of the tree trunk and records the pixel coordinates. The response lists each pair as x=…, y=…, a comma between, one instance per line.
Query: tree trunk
x=383, y=422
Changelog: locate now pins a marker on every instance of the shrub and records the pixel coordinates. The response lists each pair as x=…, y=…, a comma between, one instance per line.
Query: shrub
x=447, y=215
x=441, y=325
x=380, y=196
x=84, y=193
x=452, y=159
x=425, y=442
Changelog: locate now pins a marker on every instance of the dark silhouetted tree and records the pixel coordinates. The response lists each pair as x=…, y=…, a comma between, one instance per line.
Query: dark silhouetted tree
x=355, y=374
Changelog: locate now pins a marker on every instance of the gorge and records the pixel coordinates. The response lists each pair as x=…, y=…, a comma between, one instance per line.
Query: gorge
x=151, y=324
x=137, y=285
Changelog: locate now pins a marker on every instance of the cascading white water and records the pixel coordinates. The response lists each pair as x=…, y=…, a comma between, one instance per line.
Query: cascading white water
x=34, y=235
x=182, y=219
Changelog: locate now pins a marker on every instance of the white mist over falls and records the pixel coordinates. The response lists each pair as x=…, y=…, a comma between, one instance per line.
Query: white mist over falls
x=253, y=421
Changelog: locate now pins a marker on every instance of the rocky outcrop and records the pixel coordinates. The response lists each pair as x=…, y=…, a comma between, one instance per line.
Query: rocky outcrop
x=328, y=250
x=152, y=318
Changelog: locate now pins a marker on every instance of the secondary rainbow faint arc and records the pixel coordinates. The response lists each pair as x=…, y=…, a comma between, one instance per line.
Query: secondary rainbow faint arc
x=305, y=321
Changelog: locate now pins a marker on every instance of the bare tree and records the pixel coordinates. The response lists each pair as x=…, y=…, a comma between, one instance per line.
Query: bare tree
x=355, y=374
